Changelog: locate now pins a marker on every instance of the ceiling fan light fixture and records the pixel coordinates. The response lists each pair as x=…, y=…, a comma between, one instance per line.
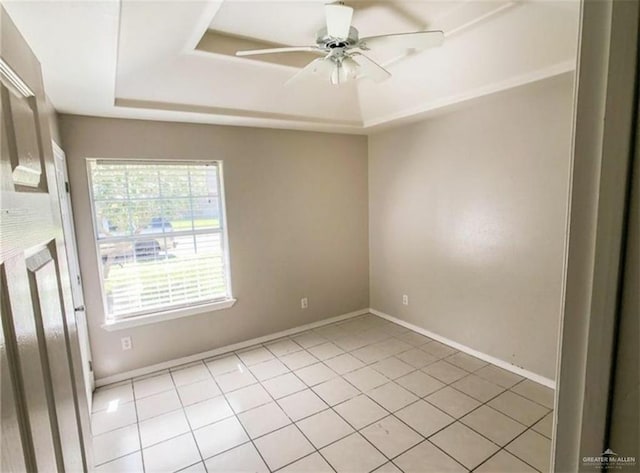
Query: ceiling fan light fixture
x=323, y=67
x=344, y=60
x=345, y=70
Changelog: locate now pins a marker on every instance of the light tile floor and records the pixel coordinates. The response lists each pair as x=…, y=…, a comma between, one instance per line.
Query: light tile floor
x=355, y=396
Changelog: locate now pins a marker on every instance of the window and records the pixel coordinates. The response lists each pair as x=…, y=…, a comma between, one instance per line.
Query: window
x=160, y=235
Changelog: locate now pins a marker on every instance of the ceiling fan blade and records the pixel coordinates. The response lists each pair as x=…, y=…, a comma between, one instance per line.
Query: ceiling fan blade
x=418, y=41
x=370, y=68
x=292, y=49
x=318, y=68
x=338, y=20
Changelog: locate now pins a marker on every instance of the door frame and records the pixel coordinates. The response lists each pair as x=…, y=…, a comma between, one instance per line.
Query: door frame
x=60, y=162
x=600, y=176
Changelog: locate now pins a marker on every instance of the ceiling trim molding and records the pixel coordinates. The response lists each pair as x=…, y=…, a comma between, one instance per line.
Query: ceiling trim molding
x=474, y=21
x=479, y=19
x=440, y=105
x=281, y=120
x=233, y=112
x=133, y=65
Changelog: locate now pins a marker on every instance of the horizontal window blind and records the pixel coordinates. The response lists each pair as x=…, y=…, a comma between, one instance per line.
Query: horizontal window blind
x=159, y=235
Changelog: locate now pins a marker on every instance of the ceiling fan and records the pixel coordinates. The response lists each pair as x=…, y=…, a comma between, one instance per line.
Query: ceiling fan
x=342, y=49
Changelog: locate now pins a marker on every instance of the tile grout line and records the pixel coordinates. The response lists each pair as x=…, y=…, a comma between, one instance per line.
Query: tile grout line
x=336, y=355
x=358, y=431
x=510, y=453
x=355, y=430
x=239, y=422
x=529, y=399
x=307, y=387
x=193, y=436
x=122, y=427
x=169, y=371
x=366, y=426
x=394, y=356
x=135, y=406
x=369, y=364
x=316, y=450
x=425, y=438
x=294, y=423
x=481, y=434
x=458, y=419
x=423, y=398
x=517, y=437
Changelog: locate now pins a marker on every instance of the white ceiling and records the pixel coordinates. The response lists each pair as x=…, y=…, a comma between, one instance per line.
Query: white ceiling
x=138, y=59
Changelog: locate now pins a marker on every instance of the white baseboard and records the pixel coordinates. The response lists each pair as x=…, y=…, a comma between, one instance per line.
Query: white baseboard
x=222, y=350
x=463, y=348
x=267, y=338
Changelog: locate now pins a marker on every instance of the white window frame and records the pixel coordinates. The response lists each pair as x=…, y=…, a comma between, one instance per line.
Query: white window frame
x=177, y=311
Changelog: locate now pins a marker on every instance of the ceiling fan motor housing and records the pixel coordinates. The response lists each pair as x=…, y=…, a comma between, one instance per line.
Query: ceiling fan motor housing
x=328, y=43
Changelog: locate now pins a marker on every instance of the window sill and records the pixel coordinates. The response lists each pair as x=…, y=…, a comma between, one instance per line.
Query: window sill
x=167, y=315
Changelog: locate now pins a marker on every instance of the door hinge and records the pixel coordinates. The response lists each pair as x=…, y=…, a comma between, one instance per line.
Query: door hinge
x=66, y=187
x=90, y=366
x=79, y=282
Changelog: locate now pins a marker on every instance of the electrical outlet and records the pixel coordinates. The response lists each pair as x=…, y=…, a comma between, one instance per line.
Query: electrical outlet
x=405, y=299
x=126, y=343
x=304, y=303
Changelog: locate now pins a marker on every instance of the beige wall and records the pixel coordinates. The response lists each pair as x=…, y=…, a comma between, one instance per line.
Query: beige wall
x=297, y=220
x=467, y=213
x=52, y=115
x=467, y=217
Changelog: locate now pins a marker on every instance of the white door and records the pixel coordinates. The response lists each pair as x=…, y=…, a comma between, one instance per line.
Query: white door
x=44, y=420
x=74, y=268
